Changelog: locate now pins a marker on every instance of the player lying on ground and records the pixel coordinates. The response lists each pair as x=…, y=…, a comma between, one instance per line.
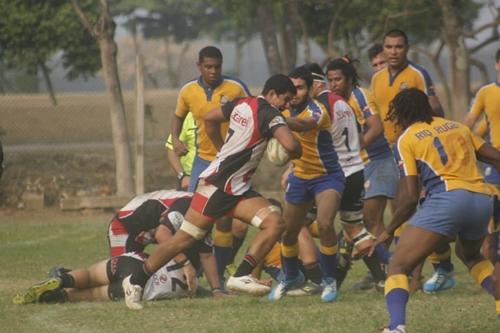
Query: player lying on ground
x=458, y=202
x=225, y=186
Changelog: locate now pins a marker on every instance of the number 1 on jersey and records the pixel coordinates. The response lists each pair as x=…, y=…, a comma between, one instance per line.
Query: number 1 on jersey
x=346, y=133
x=441, y=151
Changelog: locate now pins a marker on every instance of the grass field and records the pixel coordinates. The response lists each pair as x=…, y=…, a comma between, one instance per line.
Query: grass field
x=32, y=244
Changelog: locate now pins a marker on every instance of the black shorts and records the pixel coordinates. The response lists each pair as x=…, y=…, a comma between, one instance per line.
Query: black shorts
x=118, y=268
x=213, y=203
x=352, y=198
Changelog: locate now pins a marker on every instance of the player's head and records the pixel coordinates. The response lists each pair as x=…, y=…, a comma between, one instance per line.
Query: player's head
x=410, y=106
x=319, y=80
x=279, y=90
x=342, y=76
x=210, y=64
x=302, y=80
x=377, y=57
x=396, y=48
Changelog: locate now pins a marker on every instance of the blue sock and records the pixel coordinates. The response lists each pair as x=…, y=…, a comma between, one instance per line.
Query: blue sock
x=290, y=267
x=382, y=253
x=396, y=301
x=487, y=285
x=446, y=265
x=328, y=262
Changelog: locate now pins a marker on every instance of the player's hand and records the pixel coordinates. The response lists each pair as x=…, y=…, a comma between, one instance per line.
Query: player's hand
x=185, y=183
x=192, y=281
x=180, y=148
x=381, y=239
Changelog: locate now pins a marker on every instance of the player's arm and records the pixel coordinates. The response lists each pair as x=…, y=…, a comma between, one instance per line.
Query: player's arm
x=490, y=155
x=437, y=108
x=288, y=141
x=407, y=199
x=213, y=119
x=301, y=125
x=175, y=163
x=163, y=234
x=476, y=110
x=375, y=128
x=180, y=147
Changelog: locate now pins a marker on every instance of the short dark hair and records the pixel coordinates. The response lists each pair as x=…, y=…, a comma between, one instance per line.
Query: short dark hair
x=315, y=70
x=345, y=65
x=303, y=73
x=498, y=55
x=375, y=50
x=410, y=106
x=209, y=52
x=397, y=33
x=280, y=83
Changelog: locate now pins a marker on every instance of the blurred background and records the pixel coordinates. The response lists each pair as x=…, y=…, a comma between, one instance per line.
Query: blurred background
x=66, y=65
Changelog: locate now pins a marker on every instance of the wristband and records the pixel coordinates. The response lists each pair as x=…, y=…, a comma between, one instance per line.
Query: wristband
x=186, y=263
x=180, y=175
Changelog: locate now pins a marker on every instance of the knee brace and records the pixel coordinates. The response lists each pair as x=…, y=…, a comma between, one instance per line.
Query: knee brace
x=362, y=241
x=192, y=230
x=263, y=213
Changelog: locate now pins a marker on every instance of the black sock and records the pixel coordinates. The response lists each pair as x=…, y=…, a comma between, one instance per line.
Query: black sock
x=313, y=273
x=375, y=267
x=68, y=281
x=140, y=276
x=237, y=243
x=246, y=267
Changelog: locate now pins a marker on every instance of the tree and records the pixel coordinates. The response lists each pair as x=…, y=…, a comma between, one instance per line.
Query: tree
x=103, y=31
x=24, y=47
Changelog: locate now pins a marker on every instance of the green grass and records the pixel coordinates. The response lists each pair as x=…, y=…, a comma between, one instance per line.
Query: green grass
x=31, y=245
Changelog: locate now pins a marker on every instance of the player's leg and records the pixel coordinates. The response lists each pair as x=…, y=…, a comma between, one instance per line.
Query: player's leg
x=373, y=214
x=414, y=246
x=481, y=269
x=223, y=244
x=496, y=273
x=442, y=278
x=239, y=230
x=259, y=212
x=327, y=203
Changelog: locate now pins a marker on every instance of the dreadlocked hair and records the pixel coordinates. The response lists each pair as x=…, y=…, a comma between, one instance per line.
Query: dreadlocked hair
x=345, y=65
x=410, y=106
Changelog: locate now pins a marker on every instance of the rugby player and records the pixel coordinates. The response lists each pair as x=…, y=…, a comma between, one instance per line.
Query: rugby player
x=225, y=187
x=377, y=57
x=316, y=178
x=442, y=153
x=210, y=90
x=103, y=280
x=183, y=165
x=487, y=102
x=346, y=140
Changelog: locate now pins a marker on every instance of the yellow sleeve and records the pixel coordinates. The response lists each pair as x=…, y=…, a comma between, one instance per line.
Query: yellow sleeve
x=478, y=104
x=182, y=108
x=370, y=100
x=406, y=158
x=477, y=141
x=482, y=128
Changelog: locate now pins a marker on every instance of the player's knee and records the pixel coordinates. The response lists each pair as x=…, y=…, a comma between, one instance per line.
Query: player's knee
x=325, y=226
x=191, y=232
x=267, y=217
x=273, y=222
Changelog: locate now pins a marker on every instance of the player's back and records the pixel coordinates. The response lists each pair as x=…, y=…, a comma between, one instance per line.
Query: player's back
x=443, y=153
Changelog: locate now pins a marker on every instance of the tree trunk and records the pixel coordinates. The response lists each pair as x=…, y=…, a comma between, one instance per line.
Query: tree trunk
x=171, y=73
x=458, y=59
x=48, y=82
x=288, y=40
x=180, y=64
x=124, y=183
x=293, y=6
x=268, y=32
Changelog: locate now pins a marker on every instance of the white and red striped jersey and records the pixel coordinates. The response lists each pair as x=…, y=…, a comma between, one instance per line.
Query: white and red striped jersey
x=252, y=122
x=344, y=131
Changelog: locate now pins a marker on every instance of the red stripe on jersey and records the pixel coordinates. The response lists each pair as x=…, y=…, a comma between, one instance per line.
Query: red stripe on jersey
x=332, y=99
x=256, y=137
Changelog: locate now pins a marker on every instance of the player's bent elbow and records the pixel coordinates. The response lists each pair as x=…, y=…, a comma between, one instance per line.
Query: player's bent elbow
x=295, y=151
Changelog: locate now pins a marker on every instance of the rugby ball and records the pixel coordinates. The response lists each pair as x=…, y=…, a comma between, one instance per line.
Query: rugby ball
x=276, y=154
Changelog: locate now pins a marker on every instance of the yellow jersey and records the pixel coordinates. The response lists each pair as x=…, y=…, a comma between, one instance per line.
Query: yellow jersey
x=318, y=154
x=385, y=87
x=198, y=98
x=487, y=101
x=443, y=154
x=361, y=101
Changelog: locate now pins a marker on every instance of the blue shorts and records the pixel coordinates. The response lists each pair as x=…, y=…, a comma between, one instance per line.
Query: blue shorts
x=304, y=190
x=199, y=165
x=456, y=212
x=381, y=178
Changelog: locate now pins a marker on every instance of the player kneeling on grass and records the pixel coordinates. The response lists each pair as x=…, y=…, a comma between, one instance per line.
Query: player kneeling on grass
x=225, y=188
x=458, y=202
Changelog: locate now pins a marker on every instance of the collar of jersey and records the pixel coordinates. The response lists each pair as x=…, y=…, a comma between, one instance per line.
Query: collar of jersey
x=392, y=78
x=296, y=110
x=209, y=89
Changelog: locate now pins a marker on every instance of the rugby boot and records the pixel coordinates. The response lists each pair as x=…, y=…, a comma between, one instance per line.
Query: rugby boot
x=34, y=293
x=309, y=288
x=329, y=293
x=247, y=284
x=133, y=294
x=440, y=280
x=398, y=329
x=285, y=285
